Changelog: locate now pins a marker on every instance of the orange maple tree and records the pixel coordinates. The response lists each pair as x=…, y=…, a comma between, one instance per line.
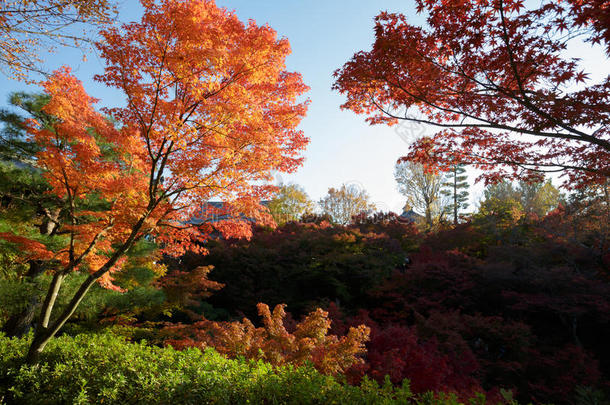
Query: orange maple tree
x=272, y=342
x=492, y=77
x=210, y=111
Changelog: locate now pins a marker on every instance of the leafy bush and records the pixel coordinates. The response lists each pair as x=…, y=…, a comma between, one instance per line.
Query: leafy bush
x=309, y=341
x=106, y=369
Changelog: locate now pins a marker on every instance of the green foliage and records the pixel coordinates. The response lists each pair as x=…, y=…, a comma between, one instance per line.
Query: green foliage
x=455, y=188
x=138, y=278
x=105, y=369
x=536, y=198
x=539, y=198
x=290, y=204
x=16, y=294
x=13, y=143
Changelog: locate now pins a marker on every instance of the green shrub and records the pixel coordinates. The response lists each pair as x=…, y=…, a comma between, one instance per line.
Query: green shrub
x=102, y=368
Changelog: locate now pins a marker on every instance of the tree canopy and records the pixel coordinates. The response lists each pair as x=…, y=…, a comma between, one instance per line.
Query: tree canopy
x=492, y=78
x=344, y=203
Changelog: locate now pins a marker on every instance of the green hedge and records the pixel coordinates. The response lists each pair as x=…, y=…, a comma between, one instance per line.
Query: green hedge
x=94, y=368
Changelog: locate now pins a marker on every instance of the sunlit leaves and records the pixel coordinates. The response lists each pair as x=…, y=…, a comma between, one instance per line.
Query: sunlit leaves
x=492, y=79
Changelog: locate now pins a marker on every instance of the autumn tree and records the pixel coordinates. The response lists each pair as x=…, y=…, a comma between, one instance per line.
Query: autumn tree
x=33, y=26
x=531, y=197
x=492, y=77
x=538, y=197
x=421, y=187
x=344, y=203
x=455, y=188
x=290, y=204
x=210, y=112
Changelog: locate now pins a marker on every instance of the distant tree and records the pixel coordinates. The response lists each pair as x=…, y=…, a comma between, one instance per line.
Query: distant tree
x=344, y=203
x=532, y=197
x=538, y=197
x=28, y=27
x=421, y=187
x=456, y=189
x=290, y=204
x=504, y=190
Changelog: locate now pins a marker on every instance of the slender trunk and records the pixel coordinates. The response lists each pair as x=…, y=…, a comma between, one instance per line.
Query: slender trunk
x=49, y=301
x=41, y=336
x=44, y=332
x=455, y=206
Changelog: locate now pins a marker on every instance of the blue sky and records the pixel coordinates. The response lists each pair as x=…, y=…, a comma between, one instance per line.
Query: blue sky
x=324, y=34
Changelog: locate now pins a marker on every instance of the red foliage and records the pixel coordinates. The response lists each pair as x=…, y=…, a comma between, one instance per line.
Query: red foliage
x=34, y=249
x=492, y=77
x=553, y=374
x=401, y=353
x=185, y=288
x=310, y=341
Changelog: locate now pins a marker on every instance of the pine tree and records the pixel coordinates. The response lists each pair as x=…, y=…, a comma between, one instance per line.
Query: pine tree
x=456, y=189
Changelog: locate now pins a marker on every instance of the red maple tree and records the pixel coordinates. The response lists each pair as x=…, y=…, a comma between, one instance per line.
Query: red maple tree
x=493, y=78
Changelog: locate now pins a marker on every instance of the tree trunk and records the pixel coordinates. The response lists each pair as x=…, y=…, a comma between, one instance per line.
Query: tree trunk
x=44, y=331
x=455, y=206
x=429, y=217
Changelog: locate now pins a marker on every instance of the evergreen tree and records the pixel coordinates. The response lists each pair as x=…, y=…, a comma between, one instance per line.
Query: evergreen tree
x=456, y=190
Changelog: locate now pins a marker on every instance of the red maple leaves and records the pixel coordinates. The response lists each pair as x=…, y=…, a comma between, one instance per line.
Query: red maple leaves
x=492, y=79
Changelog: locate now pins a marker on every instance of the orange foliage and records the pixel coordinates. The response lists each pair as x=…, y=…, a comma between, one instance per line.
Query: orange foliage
x=310, y=341
x=211, y=111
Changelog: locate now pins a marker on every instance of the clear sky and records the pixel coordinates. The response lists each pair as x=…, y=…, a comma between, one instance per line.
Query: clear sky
x=324, y=34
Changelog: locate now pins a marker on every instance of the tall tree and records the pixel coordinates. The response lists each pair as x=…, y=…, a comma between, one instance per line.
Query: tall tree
x=491, y=76
x=29, y=27
x=344, y=203
x=531, y=197
x=456, y=189
x=210, y=112
x=538, y=197
x=290, y=204
x=421, y=187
